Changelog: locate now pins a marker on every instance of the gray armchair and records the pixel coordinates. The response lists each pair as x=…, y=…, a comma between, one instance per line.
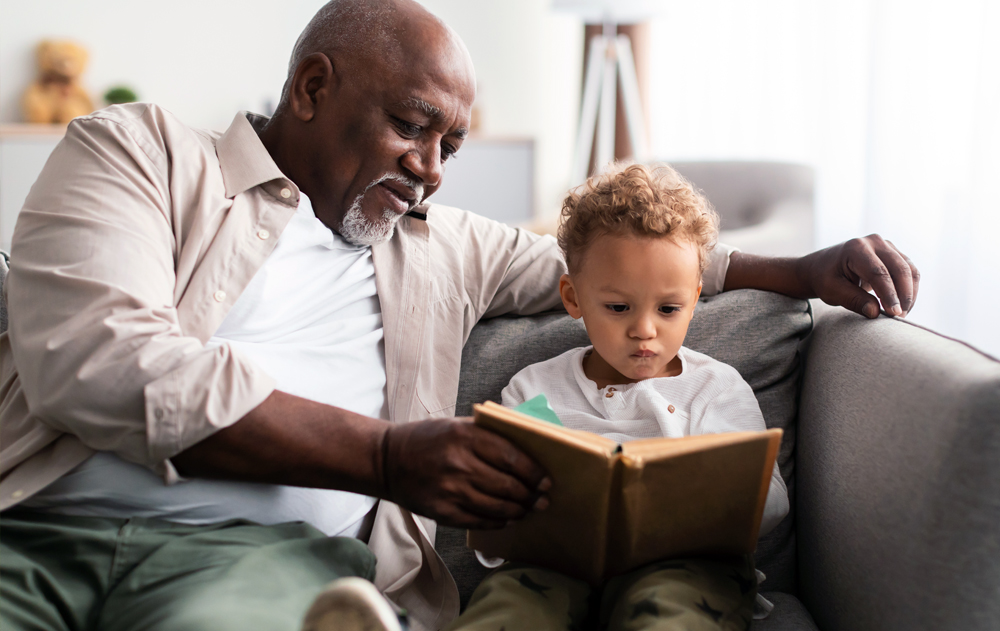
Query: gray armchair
x=764, y=207
x=891, y=455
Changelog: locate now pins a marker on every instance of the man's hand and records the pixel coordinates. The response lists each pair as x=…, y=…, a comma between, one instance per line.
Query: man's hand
x=459, y=474
x=841, y=275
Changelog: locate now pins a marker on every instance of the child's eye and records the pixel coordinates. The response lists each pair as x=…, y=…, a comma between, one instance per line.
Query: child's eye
x=618, y=308
x=666, y=309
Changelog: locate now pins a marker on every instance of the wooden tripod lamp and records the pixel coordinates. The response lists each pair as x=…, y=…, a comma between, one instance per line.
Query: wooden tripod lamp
x=610, y=60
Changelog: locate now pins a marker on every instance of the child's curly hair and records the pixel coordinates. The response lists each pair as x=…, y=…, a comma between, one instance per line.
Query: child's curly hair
x=636, y=199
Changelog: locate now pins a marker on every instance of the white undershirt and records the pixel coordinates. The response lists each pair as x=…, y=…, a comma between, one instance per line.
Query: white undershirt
x=311, y=319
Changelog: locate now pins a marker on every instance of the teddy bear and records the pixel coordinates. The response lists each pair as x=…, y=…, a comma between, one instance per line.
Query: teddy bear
x=56, y=96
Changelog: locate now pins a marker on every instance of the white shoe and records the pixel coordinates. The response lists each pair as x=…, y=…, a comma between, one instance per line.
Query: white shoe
x=353, y=604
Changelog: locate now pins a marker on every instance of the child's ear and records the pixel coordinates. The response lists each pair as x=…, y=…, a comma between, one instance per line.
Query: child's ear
x=568, y=294
x=696, y=297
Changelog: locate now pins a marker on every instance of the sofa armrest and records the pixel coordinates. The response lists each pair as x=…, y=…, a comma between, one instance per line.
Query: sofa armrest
x=898, y=478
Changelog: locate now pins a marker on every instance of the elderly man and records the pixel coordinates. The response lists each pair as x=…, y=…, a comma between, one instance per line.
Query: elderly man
x=225, y=349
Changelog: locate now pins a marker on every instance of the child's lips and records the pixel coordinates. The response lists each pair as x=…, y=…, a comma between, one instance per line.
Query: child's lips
x=643, y=353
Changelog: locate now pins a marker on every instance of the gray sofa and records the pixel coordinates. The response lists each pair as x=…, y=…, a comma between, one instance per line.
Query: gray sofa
x=891, y=455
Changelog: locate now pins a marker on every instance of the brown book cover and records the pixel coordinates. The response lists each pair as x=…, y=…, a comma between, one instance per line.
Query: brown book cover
x=616, y=507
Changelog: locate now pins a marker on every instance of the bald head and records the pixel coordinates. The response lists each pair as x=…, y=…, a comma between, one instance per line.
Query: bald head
x=375, y=34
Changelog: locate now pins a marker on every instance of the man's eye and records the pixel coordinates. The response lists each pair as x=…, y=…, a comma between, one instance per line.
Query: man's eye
x=618, y=308
x=407, y=129
x=447, y=151
x=666, y=309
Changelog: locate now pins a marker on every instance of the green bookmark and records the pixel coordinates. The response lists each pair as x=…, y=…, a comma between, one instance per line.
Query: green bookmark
x=539, y=408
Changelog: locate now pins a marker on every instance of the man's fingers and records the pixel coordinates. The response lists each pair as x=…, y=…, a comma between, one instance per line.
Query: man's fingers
x=502, y=455
x=850, y=296
x=504, y=486
x=869, y=267
x=902, y=279
x=491, y=507
x=906, y=302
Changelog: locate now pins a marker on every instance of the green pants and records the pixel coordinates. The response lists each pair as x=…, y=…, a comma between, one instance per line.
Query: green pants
x=75, y=573
x=678, y=595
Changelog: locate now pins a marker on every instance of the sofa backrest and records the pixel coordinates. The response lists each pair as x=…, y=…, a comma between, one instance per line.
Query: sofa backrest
x=4, y=261
x=756, y=332
x=900, y=451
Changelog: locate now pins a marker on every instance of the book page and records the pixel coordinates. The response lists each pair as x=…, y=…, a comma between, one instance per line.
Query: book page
x=668, y=447
x=697, y=495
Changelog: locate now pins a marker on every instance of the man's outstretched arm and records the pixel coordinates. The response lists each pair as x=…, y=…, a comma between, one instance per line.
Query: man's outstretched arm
x=841, y=275
x=446, y=469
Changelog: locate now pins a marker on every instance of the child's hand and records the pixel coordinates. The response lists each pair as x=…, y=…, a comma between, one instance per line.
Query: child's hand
x=460, y=475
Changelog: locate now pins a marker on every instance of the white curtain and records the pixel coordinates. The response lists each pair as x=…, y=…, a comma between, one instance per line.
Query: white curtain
x=896, y=103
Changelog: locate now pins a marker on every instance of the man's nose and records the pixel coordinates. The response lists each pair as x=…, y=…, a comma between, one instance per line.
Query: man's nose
x=425, y=163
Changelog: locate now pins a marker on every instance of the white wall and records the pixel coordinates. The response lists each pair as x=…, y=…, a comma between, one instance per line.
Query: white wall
x=206, y=59
x=895, y=103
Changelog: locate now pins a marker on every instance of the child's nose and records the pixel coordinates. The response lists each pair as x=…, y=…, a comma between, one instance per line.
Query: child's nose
x=643, y=328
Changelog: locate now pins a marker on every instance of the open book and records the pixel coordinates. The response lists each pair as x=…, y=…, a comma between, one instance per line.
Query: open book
x=616, y=507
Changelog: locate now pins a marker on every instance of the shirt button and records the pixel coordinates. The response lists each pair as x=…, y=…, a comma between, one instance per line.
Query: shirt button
x=219, y=296
x=286, y=193
x=16, y=494
x=263, y=235
x=158, y=413
x=610, y=394
x=670, y=409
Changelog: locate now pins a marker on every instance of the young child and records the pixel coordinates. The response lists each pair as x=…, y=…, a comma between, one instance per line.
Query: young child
x=636, y=241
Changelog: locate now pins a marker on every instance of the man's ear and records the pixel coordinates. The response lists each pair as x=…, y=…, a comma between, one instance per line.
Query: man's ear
x=568, y=294
x=312, y=80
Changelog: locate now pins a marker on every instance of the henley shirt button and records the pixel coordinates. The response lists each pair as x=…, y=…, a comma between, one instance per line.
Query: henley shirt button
x=158, y=413
x=286, y=193
x=610, y=394
x=16, y=494
x=671, y=409
x=263, y=235
x=219, y=296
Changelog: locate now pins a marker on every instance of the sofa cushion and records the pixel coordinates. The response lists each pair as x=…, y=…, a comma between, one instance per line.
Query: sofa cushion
x=756, y=332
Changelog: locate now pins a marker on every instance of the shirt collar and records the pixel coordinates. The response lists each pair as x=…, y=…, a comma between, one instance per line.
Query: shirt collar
x=245, y=161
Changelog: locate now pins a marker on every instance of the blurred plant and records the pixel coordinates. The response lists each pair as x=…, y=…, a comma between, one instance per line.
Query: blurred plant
x=120, y=94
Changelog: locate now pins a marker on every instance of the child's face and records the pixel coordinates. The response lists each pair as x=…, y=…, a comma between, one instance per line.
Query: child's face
x=636, y=296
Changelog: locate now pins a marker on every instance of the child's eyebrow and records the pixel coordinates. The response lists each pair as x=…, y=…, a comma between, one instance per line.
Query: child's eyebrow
x=675, y=296
x=609, y=289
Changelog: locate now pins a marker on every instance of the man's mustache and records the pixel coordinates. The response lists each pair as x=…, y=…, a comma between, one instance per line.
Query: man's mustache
x=416, y=187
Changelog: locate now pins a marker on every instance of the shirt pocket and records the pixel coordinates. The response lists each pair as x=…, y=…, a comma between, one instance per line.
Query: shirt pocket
x=443, y=289
x=434, y=407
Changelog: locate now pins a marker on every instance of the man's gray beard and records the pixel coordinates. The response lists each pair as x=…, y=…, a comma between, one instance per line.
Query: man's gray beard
x=359, y=230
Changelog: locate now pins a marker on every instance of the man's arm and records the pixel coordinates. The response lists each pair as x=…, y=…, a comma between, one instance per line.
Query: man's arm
x=450, y=471
x=840, y=275
x=524, y=269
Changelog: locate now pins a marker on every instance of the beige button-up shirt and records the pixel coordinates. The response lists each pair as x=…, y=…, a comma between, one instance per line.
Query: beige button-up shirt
x=132, y=246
